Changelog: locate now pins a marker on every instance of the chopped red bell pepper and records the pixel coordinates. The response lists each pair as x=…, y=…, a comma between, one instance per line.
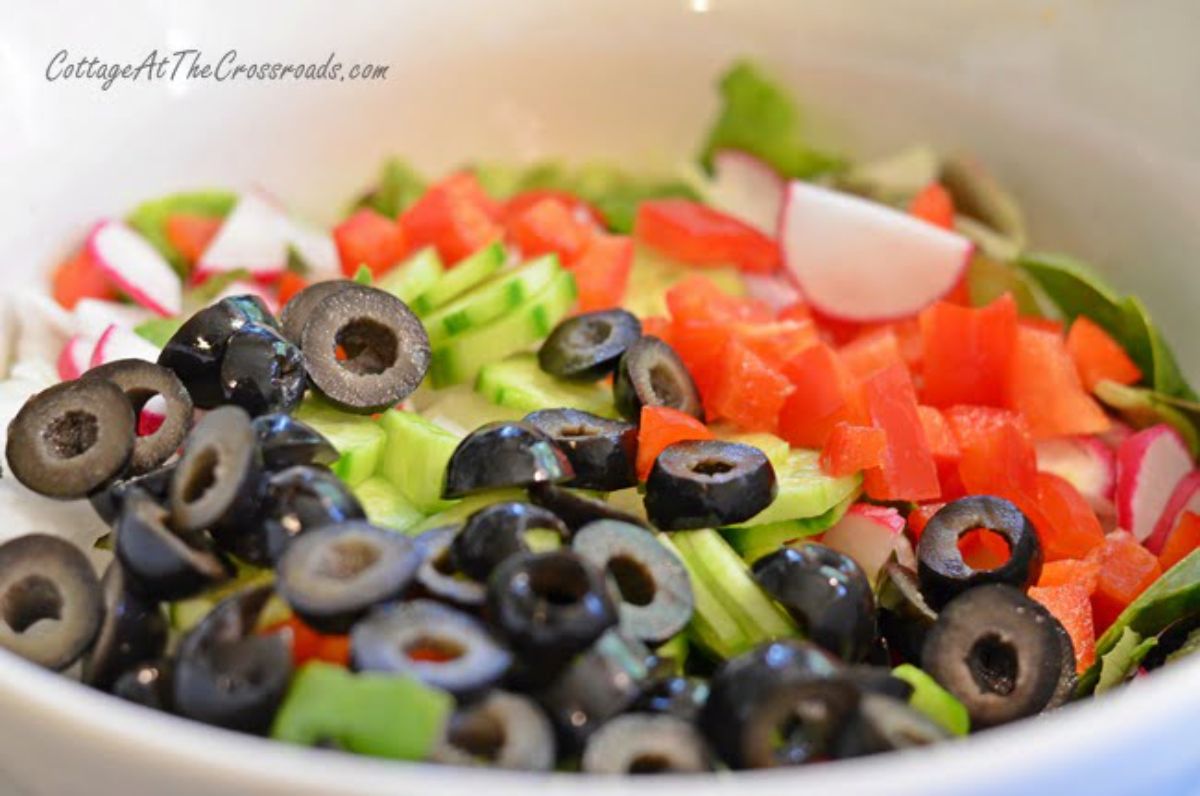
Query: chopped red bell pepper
x=851, y=449
x=777, y=342
x=1045, y=387
x=1183, y=540
x=1070, y=605
x=825, y=394
x=933, y=204
x=519, y=203
x=747, y=391
x=920, y=516
x=871, y=352
x=997, y=454
x=1126, y=570
x=549, y=227
x=455, y=216
x=1098, y=356
x=657, y=326
x=190, y=234
x=967, y=352
x=289, y=285
x=908, y=471
x=697, y=234
x=698, y=299
x=371, y=239
x=79, y=277
x=983, y=549
x=309, y=645
x=661, y=426
x=1084, y=572
x=939, y=435
x=700, y=345
x=602, y=272
x=1044, y=324
x=1073, y=528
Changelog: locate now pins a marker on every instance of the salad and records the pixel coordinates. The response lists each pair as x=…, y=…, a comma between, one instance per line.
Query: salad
x=783, y=459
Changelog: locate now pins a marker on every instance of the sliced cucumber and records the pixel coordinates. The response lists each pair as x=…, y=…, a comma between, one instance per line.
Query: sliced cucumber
x=414, y=276
x=652, y=275
x=674, y=652
x=460, y=511
x=459, y=359
x=805, y=490
x=415, y=458
x=752, y=542
x=386, y=506
x=497, y=295
x=183, y=615
x=459, y=279
x=518, y=383
x=359, y=440
x=776, y=449
x=462, y=410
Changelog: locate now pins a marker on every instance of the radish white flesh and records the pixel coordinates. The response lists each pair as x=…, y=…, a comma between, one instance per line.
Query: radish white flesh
x=253, y=237
x=316, y=249
x=747, y=188
x=869, y=535
x=94, y=316
x=75, y=358
x=1186, y=497
x=42, y=329
x=777, y=291
x=1150, y=465
x=1086, y=462
x=858, y=260
x=118, y=343
x=136, y=267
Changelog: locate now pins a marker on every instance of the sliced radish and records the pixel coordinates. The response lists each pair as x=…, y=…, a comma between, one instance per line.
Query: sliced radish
x=1117, y=433
x=316, y=249
x=42, y=327
x=775, y=290
x=136, y=267
x=1186, y=497
x=1086, y=462
x=254, y=237
x=1150, y=466
x=119, y=343
x=75, y=357
x=747, y=188
x=152, y=416
x=857, y=260
x=870, y=535
x=93, y=316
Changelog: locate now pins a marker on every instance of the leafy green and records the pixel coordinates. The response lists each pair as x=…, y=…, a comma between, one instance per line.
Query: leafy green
x=158, y=330
x=1190, y=646
x=150, y=217
x=937, y=703
x=1142, y=407
x=363, y=275
x=758, y=116
x=1118, y=664
x=1174, y=596
x=398, y=187
x=989, y=278
x=894, y=179
x=978, y=196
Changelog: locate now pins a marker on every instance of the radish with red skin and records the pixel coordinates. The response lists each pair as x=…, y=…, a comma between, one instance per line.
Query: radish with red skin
x=870, y=535
x=748, y=189
x=94, y=316
x=120, y=343
x=253, y=238
x=857, y=260
x=136, y=268
x=1150, y=465
x=316, y=250
x=1186, y=497
x=1086, y=462
x=778, y=291
x=75, y=358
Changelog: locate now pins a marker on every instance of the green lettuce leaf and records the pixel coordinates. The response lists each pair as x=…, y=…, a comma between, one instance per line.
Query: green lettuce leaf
x=1142, y=408
x=398, y=187
x=1189, y=647
x=1118, y=664
x=150, y=217
x=159, y=330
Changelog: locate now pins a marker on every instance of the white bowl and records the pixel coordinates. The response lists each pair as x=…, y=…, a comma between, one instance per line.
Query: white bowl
x=1087, y=109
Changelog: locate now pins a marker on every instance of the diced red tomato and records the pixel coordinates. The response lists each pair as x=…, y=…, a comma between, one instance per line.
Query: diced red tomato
x=697, y=234
x=938, y=434
x=1083, y=572
x=519, y=203
x=1071, y=606
x=661, y=427
x=908, y=471
x=1098, y=357
x=1126, y=570
x=78, y=278
x=1183, y=540
x=983, y=549
x=371, y=239
x=825, y=394
x=289, y=285
x=309, y=645
x=871, y=352
x=1045, y=387
x=455, y=216
x=747, y=391
x=967, y=352
x=549, y=227
x=934, y=204
x=851, y=449
x=190, y=234
x=1073, y=528
x=698, y=299
x=602, y=272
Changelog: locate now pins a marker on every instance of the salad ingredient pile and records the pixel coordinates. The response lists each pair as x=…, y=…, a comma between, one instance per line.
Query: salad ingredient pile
x=787, y=460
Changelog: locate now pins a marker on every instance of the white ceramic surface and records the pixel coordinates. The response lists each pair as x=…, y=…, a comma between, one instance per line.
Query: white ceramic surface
x=1088, y=109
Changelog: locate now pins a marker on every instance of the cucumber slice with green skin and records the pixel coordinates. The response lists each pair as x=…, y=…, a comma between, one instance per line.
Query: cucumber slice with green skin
x=752, y=542
x=414, y=276
x=458, y=513
x=652, y=275
x=459, y=279
x=359, y=440
x=488, y=301
x=732, y=613
x=518, y=383
x=415, y=458
x=385, y=506
x=805, y=490
x=459, y=359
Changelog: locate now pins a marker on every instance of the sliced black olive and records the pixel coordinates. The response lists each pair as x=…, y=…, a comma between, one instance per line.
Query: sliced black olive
x=940, y=566
x=1173, y=642
x=216, y=483
x=332, y=576
x=109, y=501
x=141, y=381
x=577, y=509
x=502, y=730
x=601, y=683
x=904, y=616
x=51, y=604
x=879, y=680
x=707, y=484
x=262, y=371
x=226, y=673
x=499, y=455
x=998, y=651
x=826, y=592
x=549, y=606
x=652, y=374
x=588, y=347
x=496, y=532
x=294, y=501
x=885, y=724
x=385, y=347
x=431, y=642
x=299, y=309
x=147, y=684
x=646, y=744
x=72, y=439
x=602, y=452
x=196, y=350
x=681, y=697
x=286, y=442
x=652, y=587
x=134, y=631
x=161, y=564
x=781, y=704
x=437, y=577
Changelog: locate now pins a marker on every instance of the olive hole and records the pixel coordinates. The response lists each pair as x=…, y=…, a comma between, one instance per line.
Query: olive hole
x=434, y=649
x=711, y=467
x=993, y=664
x=634, y=581
x=650, y=763
x=347, y=558
x=72, y=434
x=578, y=431
x=591, y=334
x=479, y=734
x=562, y=583
x=800, y=728
x=983, y=549
x=664, y=385
x=29, y=601
x=202, y=476
x=370, y=348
